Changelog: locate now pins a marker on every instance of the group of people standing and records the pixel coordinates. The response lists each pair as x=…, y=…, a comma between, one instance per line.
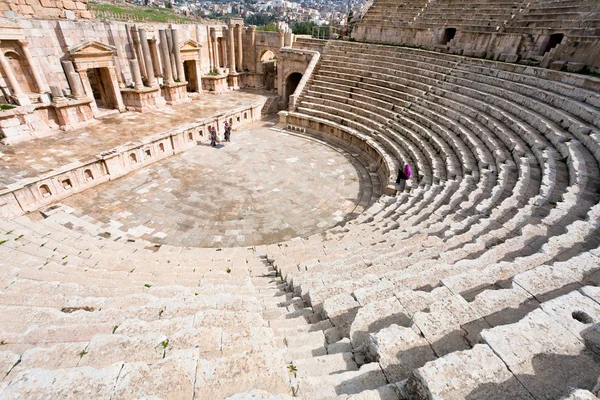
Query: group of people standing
x=214, y=138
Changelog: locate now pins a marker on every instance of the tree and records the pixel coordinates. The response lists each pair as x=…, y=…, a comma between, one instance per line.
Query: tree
x=303, y=28
x=260, y=19
x=269, y=28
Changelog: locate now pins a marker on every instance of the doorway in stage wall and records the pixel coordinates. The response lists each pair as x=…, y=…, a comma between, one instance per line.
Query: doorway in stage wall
x=291, y=83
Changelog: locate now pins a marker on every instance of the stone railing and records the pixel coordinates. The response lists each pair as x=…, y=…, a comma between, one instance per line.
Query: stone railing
x=34, y=193
x=312, y=65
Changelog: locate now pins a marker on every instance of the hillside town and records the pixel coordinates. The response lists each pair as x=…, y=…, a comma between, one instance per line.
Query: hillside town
x=264, y=12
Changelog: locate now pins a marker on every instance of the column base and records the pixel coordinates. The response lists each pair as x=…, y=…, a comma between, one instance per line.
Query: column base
x=175, y=93
x=214, y=84
x=233, y=81
x=143, y=100
x=73, y=113
x=22, y=99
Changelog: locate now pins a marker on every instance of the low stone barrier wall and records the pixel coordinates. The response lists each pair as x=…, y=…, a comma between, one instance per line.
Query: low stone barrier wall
x=385, y=166
x=34, y=193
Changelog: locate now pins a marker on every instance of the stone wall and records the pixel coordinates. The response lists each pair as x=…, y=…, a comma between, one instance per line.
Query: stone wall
x=48, y=9
x=292, y=61
x=49, y=41
x=520, y=32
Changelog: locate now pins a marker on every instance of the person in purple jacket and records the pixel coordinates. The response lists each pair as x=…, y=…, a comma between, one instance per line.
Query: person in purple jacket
x=404, y=174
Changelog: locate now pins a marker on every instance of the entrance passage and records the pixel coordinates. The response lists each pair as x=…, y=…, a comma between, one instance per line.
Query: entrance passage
x=291, y=84
x=100, y=82
x=449, y=34
x=189, y=70
x=553, y=41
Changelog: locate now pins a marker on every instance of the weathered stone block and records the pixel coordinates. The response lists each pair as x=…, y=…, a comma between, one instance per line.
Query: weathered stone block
x=557, y=65
x=476, y=374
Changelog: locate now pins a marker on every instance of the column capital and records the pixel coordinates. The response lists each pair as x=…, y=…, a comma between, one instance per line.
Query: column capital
x=252, y=27
x=23, y=42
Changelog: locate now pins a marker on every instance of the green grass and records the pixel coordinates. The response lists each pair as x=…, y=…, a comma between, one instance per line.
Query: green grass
x=6, y=107
x=147, y=13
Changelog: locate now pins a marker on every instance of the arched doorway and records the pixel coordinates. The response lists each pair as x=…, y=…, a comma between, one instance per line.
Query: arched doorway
x=267, y=55
x=449, y=34
x=291, y=83
x=21, y=71
x=553, y=41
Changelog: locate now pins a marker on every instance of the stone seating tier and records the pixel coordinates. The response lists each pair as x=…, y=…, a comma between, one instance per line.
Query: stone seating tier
x=427, y=274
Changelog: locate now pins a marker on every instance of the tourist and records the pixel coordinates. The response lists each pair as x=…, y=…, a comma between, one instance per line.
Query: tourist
x=227, y=132
x=213, y=136
x=403, y=175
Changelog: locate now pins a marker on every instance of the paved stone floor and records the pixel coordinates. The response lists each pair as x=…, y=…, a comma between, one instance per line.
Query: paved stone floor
x=263, y=187
x=29, y=159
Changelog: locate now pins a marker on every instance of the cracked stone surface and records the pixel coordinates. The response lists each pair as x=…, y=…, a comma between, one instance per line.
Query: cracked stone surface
x=261, y=188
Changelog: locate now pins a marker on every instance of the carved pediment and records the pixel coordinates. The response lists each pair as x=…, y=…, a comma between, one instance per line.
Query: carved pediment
x=190, y=45
x=92, y=48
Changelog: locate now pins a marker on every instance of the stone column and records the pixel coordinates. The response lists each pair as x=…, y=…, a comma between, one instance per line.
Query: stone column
x=171, y=55
x=252, y=44
x=138, y=50
x=215, y=51
x=166, y=59
x=282, y=38
x=115, y=86
x=225, y=55
x=74, y=80
x=119, y=71
x=231, y=49
x=39, y=82
x=87, y=87
x=289, y=39
x=57, y=95
x=155, y=52
x=135, y=73
x=21, y=97
x=239, y=48
x=210, y=40
x=150, y=79
x=198, y=69
x=177, y=54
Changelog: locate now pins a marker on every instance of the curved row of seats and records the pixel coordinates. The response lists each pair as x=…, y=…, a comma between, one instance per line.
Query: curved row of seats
x=496, y=235
x=578, y=17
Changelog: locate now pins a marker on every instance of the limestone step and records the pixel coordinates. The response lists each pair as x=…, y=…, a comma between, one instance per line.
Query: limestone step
x=476, y=374
x=341, y=346
x=302, y=352
x=324, y=365
x=368, y=377
x=300, y=339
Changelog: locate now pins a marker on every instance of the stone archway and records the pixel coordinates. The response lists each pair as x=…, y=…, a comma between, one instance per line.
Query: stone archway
x=94, y=61
x=291, y=83
x=267, y=55
x=21, y=70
